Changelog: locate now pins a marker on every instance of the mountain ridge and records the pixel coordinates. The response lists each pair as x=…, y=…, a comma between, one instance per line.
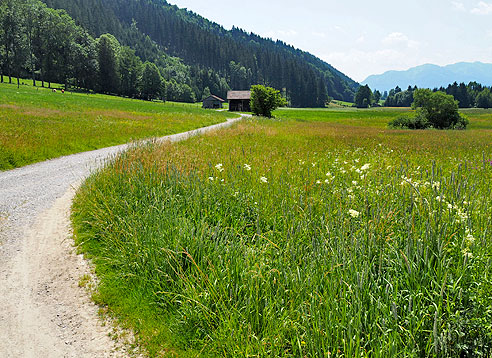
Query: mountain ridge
x=432, y=76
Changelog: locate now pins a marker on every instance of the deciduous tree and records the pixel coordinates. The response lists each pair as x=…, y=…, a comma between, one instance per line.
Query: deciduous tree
x=264, y=100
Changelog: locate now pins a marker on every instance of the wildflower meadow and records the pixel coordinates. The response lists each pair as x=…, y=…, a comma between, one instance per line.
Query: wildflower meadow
x=298, y=238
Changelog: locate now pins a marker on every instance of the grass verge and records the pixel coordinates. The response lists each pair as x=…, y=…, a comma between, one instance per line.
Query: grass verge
x=37, y=124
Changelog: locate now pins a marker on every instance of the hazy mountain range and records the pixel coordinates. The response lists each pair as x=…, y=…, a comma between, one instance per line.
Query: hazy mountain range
x=432, y=76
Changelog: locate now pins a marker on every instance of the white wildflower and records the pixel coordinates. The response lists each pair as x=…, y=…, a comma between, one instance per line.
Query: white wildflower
x=354, y=213
x=470, y=239
x=219, y=167
x=211, y=178
x=247, y=167
x=354, y=182
x=365, y=166
x=467, y=253
x=264, y=180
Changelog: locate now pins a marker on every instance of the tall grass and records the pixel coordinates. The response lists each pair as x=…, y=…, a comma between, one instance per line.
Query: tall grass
x=303, y=239
x=37, y=124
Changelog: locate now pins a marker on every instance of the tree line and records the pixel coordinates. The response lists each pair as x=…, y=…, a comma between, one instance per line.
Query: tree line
x=47, y=46
x=468, y=95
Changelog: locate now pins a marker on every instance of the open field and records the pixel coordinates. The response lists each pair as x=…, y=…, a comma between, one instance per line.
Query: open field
x=319, y=234
x=37, y=124
x=374, y=117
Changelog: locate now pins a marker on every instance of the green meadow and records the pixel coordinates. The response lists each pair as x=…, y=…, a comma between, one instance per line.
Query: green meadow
x=37, y=124
x=320, y=233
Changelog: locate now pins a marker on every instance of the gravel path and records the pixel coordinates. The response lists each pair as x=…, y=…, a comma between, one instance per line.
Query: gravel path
x=43, y=311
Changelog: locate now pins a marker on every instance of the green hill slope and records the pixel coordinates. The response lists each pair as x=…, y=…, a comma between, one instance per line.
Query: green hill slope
x=154, y=27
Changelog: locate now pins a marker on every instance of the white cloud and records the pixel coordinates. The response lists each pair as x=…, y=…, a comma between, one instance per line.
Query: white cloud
x=458, y=6
x=482, y=8
x=318, y=34
x=361, y=39
x=399, y=39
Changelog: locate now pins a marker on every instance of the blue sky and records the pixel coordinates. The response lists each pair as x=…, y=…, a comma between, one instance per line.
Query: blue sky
x=361, y=38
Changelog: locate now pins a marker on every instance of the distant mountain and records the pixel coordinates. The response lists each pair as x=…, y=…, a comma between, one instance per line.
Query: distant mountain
x=154, y=27
x=432, y=76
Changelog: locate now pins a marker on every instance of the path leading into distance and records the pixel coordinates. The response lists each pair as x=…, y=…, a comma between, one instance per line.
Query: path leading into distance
x=43, y=311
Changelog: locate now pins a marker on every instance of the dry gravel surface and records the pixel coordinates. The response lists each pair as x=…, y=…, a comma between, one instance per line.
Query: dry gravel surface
x=43, y=310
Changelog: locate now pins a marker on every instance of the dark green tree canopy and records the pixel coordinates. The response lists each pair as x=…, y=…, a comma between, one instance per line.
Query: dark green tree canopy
x=363, y=97
x=108, y=51
x=152, y=84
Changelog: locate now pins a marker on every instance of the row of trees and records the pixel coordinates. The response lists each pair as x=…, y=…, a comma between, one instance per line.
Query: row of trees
x=47, y=46
x=471, y=95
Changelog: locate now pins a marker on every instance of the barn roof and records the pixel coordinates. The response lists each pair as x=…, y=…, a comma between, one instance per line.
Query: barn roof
x=215, y=97
x=239, y=95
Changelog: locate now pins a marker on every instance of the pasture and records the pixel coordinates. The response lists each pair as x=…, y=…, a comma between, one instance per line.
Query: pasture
x=37, y=124
x=320, y=233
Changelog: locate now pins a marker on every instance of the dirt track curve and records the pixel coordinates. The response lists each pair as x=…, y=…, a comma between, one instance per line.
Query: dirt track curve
x=43, y=311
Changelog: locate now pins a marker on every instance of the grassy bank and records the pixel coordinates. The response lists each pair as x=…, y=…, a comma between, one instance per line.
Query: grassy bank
x=37, y=124
x=302, y=237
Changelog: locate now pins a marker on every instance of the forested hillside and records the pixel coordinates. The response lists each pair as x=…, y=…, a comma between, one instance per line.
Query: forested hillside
x=213, y=59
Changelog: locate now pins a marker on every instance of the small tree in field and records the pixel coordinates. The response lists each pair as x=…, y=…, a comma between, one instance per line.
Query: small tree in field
x=264, y=100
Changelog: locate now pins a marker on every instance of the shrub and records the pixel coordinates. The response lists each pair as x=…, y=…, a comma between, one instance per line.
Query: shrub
x=409, y=122
x=434, y=110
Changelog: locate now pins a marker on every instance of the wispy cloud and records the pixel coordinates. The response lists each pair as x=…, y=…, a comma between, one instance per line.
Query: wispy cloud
x=360, y=39
x=482, y=8
x=318, y=34
x=457, y=5
x=399, y=39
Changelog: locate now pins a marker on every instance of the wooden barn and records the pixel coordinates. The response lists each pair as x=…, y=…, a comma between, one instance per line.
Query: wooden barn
x=212, y=102
x=239, y=101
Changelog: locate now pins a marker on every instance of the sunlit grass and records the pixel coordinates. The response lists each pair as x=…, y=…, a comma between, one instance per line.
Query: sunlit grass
x=37, y=124
x=299, y=237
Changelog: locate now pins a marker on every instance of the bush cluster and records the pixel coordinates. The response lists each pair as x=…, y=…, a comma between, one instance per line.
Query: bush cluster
x=433, y=110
